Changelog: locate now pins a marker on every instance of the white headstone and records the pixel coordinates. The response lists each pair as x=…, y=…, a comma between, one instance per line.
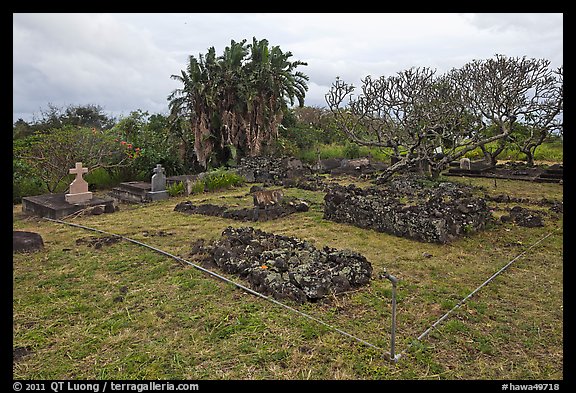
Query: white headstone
x=79, y=187
x=158, y=185
x=158, y=179
x=465, y=163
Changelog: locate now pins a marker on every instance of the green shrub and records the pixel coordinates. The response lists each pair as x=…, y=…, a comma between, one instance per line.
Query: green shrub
x=24, y=181
x=302, y=136
x=351, y=150
x=220, y=179
x=332, y=150
x=197, y=187
x=286, y=147
x=348, y=150
x=148, y=141
x=175, y=189
x=101, y=178
x=552, y=151
x=378, y=154
x=549, y=151
x=26, y=187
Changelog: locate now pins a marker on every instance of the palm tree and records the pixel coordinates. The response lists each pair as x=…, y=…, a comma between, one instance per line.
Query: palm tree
x=195, y=101
x=231, y=105
x=235, y=102
x=274, y=82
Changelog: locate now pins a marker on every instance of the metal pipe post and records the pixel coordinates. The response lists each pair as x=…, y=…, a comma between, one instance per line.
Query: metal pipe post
x=393, y=337
x=394, y=281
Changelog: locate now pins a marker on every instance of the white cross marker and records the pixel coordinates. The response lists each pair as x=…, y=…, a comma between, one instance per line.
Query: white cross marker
x=79, y=187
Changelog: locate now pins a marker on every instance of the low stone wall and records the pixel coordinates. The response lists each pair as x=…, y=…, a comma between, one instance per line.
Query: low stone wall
x=276, y=170
x=282, y=209
x=286, y=267
x=271, y=170
x=409, y=208
x=345, y=166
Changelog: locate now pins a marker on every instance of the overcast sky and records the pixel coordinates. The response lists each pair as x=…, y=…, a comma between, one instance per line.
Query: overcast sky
x=123, y=62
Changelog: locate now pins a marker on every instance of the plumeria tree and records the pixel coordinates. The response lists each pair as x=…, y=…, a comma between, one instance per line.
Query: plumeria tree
x=543, y=118
x=419, y=116
x=50, y=155
x=428, y=120
x=506, y=91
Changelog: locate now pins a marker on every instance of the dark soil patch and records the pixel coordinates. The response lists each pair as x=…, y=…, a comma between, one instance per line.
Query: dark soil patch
x=157, y=233
x=524, y=217
x=19, y=353
x=98, y=242
x=285, y=267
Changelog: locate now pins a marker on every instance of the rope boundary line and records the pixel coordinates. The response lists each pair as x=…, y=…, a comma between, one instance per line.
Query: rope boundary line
x=251, y=291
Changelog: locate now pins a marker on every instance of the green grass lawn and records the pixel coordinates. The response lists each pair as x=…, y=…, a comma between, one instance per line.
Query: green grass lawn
x=123, y=311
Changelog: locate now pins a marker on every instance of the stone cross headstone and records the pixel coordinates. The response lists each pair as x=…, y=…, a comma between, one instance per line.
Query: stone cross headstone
x=158, y=179
x=79, y=187
x=158, y=185
x=465, y=163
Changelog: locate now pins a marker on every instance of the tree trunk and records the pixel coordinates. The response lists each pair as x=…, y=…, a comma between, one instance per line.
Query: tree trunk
x=491, y=157
x=424, y=167
x=529, y=152
x=435, y=173
x=487, y=155
x=399, y=165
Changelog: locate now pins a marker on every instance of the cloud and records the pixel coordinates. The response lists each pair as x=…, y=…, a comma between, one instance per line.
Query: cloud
x=80, y=59
x=123, y=62
x=534, y=35
x=527, y=23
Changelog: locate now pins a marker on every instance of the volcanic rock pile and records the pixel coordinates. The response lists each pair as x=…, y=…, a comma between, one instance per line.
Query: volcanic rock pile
x=524, y=217
x=286, y=267
x=284, y=208
x=410, y=208
x=271, y=170
x=311, y=183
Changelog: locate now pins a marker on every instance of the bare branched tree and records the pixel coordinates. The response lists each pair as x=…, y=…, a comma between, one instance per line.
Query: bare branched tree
x=505, y=90
x=543, y=116
x=420, y=117
x=427, y=120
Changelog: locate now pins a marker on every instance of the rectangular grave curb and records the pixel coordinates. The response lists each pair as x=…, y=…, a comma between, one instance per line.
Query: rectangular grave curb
x=55, y=206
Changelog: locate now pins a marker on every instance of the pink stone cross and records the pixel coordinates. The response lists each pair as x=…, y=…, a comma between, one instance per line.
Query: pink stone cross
x=79, y=185
x=78, y=171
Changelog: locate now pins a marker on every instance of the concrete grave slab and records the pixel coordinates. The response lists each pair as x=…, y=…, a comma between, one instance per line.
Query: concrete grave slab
x=131, y=192
x=55, y=206
x=142, y=192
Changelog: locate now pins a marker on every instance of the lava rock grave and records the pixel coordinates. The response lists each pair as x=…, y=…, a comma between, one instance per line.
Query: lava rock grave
x=285, y=267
